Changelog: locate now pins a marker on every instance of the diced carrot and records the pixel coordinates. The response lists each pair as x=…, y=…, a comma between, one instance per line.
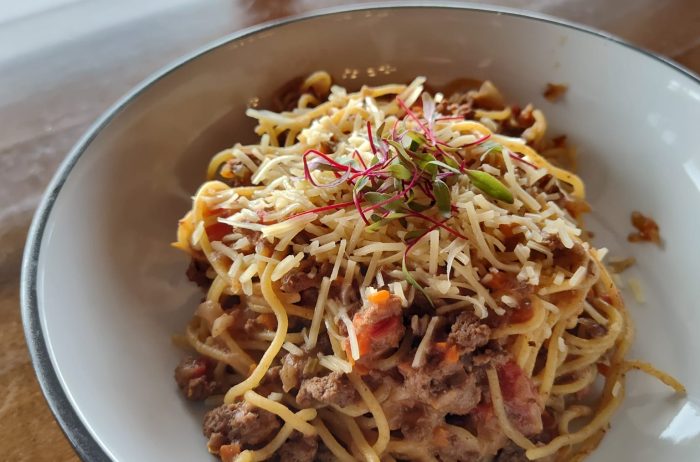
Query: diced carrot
x=450, y=352
x=217, y=231
x=268, y=320
x=380, y=297
x=228, y=452
x=452, y=355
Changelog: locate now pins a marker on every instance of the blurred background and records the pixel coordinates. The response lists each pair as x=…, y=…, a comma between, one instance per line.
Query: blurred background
x=64, y=62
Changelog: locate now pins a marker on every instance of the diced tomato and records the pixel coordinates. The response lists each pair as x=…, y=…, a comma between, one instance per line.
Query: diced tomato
x=522, y=314
x=375, y=331
x=217, y=231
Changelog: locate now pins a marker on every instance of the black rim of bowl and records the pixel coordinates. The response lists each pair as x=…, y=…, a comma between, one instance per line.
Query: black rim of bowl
x=78, y=433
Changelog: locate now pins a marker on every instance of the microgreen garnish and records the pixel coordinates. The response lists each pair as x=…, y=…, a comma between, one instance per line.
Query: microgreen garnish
x=490, y=185
x=409, y=175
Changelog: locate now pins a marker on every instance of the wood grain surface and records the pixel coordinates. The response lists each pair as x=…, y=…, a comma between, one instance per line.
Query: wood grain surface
x=60, y=68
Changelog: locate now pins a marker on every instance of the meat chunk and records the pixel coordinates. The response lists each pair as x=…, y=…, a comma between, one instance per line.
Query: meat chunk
x=334, y=388
x=197, y=273
x=298, y=448
x=568, y=259
x=240, y=423
x=555, y=91
x=502, y=283
x=647, y=229
x=522, y=402
x=444, y=387
x=468, y=334
x=292, y=371
x=307, y=275
x=191, y=376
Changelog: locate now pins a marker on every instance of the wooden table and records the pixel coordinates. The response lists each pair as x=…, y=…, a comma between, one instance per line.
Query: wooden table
x=61, y=67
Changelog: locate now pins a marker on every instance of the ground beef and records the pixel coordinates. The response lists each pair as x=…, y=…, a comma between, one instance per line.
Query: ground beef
x=197, y=273
x=446, y=388
x=647, y=229
x=334, y=388
x=513, y=453
x=555, y=91
x=240, y=423
x=298, y=448
x=306, y=276
x=568, y=259
x=193, y=379
x=467, y=333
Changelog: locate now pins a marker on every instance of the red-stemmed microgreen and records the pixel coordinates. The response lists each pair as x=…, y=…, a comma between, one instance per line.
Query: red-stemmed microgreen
x=409, y=175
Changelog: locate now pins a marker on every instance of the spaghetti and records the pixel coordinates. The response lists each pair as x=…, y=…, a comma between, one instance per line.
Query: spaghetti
x=395, y=274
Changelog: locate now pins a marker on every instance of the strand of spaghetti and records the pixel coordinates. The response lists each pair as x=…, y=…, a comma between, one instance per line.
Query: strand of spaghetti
x=531, y=324
x=651, y=370
x=282, y=323
x=572, y=413
x=240, y=362
x=500, y=411
x=549, y=371
x=514, y=145
x=600, y=419
x=270, y=448
x=282, y=411
x=318, y=312
x=331, y=443
x=244, y=456
x=585, y=377
x=410, y=450
x=588, y=445
x=359, y=440
x=376, y=409
x=216, y=289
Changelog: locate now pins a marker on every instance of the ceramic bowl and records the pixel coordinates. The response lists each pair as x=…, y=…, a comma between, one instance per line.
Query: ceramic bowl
x=103, y=291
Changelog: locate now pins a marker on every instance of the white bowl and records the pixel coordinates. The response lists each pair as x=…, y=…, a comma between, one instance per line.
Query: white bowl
x=103, y=291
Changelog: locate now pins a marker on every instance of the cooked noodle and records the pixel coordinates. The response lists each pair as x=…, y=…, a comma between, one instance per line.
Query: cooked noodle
x=375, y=241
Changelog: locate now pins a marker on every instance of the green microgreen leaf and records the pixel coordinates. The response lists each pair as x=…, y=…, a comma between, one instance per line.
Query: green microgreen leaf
x=361, y=183
x=403, y=155
x=400, y=172
x=374, y=161
x=379, y=222
x=445, y=166
x=415, y=234
x=442, y=197
x=418, y=207
x=376, y=197
x=413, y=140
x=490, y=185
x=412, y=281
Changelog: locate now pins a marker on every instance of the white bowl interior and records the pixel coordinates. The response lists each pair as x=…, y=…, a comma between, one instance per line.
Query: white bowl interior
x=111, y=291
